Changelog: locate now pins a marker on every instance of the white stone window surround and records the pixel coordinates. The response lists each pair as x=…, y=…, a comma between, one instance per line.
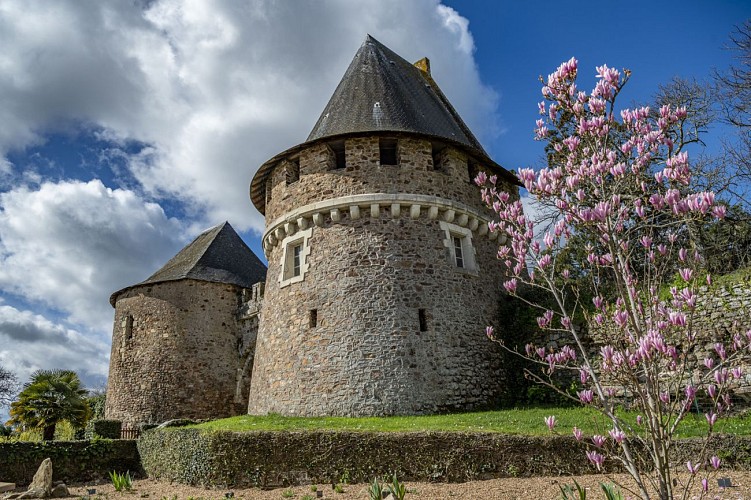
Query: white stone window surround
x=468, y=256
x=286, y=266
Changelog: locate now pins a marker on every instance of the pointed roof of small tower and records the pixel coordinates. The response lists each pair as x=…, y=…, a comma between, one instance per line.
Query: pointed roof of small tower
x=381, y=91
x=217, y=255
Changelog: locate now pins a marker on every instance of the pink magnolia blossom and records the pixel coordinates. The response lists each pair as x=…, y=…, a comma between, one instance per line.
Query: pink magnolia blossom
x=597, y=459
x=585, y=396
x=550, y=422
x=711, y=418
x=704, y=485
x=714, y=462
x=598, y=440
x=692, y=468
x=578, y=434
x=617, y=435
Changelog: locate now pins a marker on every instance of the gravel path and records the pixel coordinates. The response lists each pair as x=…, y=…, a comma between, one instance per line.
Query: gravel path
x=508, y=488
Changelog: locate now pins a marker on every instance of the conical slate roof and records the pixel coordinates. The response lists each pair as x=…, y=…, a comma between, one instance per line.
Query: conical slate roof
x=218, y=255
x=381, y=91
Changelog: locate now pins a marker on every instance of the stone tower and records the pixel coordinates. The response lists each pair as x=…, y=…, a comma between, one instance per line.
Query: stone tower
x=179, y=343
x=382, y=273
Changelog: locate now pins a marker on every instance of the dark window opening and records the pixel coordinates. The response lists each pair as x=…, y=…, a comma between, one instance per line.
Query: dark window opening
x=387, y=149
x=437, y=154
x=423, y=320
x=340, y=159
x=293, y=171
x=268, y=189
x=472, y=171
x=313, y=318
x=128, y=327
x=458, y=252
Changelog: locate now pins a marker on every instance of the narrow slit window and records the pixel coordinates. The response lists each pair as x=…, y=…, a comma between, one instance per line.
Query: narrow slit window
x=458, y=252
x=340, y=158
x=387, y=149
x=268, y=189
x=128, y=326
x=471, y=171
x=293, y=171
x=423, y=320
x=313, y=317
x=437, y=154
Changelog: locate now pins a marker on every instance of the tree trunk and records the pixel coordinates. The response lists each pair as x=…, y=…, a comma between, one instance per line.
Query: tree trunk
x=49, y=433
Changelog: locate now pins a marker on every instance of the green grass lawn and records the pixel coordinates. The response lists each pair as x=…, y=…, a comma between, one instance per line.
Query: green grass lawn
x=527, y=421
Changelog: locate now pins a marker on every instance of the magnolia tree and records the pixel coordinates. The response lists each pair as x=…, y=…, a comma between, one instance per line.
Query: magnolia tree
x=620, y=186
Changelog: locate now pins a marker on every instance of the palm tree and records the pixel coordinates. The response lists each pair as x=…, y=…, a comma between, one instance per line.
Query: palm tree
x=49, y=397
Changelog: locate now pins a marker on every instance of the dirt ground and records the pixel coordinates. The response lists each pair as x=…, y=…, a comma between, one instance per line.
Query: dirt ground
x=508, y=488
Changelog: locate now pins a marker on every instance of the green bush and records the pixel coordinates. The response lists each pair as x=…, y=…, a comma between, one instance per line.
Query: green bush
x=72, y=461
x=104, y=429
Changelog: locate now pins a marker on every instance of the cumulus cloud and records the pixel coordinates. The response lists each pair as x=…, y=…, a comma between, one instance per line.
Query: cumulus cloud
x=214, y=89
x=30, y=342
x=69, y=245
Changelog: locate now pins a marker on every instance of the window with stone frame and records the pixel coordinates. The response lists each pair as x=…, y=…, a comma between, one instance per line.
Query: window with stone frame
x=295, y=252
x=461, y=251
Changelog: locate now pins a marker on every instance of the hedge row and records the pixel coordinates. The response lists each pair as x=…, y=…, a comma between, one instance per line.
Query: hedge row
x=72, y=461
x=196, y=457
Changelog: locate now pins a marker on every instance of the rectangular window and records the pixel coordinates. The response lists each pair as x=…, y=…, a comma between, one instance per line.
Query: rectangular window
x=423, y=320
x=340, y=158
x=471, y=170
x=293, y=171
x=313, y=318
x=458, y=253
x=437, y=154
x=128, y=325
x=387, y=149
x=296, y=251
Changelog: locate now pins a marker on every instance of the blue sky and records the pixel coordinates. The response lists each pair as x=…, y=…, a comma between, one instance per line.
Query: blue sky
x=126, y=128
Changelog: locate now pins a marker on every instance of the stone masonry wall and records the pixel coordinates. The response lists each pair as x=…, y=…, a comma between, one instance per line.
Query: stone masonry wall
x=181, y=357
x=364, y=174
x=367, y=280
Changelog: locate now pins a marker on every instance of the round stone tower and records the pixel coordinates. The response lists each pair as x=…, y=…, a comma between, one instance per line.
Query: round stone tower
x=382, y=273
x=178, y=345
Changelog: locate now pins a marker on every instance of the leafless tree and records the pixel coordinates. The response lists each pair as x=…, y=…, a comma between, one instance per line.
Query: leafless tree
x=8, y=386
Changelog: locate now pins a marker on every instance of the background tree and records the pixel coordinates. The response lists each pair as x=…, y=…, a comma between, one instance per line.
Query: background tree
x=8, y=386
x=49, y=397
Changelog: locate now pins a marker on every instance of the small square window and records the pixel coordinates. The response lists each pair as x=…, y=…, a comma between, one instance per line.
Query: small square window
x=313, y=318
x=387, y=150
x=423, y=319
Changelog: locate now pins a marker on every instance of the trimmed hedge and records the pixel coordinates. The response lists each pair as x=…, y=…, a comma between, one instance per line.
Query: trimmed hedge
x=105, y=429
x=197, y=457
x=72, y=461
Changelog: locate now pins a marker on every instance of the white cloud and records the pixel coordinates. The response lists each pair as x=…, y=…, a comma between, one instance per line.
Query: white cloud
x=30, y=342
x=214, y=88
x=69, y=245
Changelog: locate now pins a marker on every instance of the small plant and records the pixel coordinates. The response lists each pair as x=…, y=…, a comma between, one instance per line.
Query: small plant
x=339, y=488
x=575, y=492
x=313, y=488
x=307, y=497
x=345, y=477
x=375, y=490
x=612, y=492
x=396, y=488
x=288, y=494
x=121, y=481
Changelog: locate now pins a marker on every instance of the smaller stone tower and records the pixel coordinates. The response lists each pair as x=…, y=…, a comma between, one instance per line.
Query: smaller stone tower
x=183, y=338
